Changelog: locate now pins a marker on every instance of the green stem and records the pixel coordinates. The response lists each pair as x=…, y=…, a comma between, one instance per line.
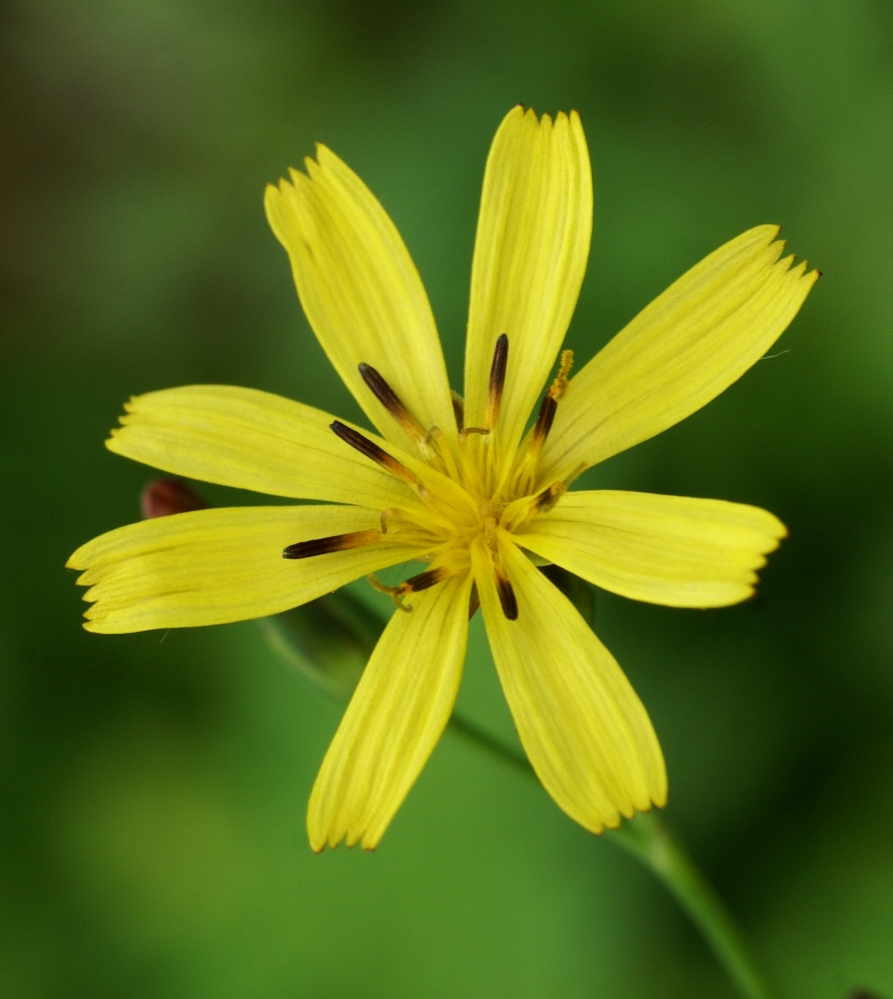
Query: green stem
x=487, y=741
x=648, y=838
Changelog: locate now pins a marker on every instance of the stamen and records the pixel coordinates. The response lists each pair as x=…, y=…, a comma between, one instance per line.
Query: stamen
x=545, y=419
x=550, y=496
x=425, y=580
x=435, y=445
x=549, y=405
x=362, y=444
x=522, y=510
x=559, y=386
x=458, y=408
x=497, y=379
x=405, y=524
x=415, y=584
x=544, y=502
x=463, y=434
x=506, y=593
x=389, y=399
x=335, y=543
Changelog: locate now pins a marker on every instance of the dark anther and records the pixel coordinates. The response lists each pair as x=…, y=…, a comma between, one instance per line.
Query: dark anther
x=325, y=546
x=549, y=497
x=424, y=580
x=549, y=405
x=497, y=379
x=506, y=595
x=391, y=402
x=362, y=444
x=546, y=417
x=458, y=409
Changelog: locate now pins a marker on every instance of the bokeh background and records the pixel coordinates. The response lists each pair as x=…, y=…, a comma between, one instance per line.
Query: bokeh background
x=154, y=786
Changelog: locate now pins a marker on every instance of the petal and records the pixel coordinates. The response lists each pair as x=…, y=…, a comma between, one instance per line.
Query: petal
x=251, y=440
x=584, y=729
x=530, y=256
x=670, y=550
x=680, y=352
x=361, y=291
x=394, y=719
x=216, y=566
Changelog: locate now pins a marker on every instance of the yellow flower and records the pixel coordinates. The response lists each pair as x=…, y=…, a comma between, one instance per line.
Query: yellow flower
x=465, y=487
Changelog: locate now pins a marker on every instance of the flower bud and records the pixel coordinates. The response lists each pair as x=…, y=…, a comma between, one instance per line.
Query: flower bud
x=162, y=497
x=329, y=640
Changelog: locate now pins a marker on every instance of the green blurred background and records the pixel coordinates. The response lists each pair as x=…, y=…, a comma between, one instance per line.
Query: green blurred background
x=154, y=786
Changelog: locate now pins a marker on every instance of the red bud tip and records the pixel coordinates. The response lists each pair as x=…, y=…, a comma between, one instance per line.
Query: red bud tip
x=163, y=497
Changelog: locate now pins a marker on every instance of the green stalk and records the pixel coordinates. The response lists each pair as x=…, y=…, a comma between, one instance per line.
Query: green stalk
x=648, y=838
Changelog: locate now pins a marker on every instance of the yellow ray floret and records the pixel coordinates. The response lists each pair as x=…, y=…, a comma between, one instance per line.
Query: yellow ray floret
x=217, y=566
x=394, y=719
x=582, y=725
x=530, y=256
x=670, y=550
x=680, y=351
x=247, y=439
x=360, y=289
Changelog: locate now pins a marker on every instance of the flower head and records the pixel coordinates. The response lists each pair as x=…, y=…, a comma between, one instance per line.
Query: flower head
x=472, y=487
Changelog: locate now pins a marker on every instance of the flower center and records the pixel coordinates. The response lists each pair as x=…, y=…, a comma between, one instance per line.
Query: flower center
x=468, y=489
